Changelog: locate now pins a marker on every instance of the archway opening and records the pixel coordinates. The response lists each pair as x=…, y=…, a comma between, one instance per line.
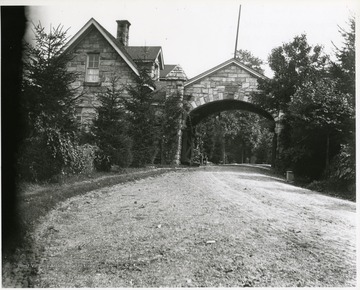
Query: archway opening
x=229, y=131
x=201, y=112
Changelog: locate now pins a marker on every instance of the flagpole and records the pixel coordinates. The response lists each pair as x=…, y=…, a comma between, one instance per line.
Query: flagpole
x=237, y=32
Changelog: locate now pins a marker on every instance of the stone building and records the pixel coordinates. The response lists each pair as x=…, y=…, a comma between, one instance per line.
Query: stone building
x=99, y=58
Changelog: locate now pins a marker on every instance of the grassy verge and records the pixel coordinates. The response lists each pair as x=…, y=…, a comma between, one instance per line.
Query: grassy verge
x=35, y=205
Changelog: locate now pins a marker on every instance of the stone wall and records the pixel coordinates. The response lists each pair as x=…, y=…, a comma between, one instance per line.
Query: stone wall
x=230, y=82
x=175, y=81
x=111, y=65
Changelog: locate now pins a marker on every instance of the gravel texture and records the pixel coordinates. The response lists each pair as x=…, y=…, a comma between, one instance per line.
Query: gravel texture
x=226, y=226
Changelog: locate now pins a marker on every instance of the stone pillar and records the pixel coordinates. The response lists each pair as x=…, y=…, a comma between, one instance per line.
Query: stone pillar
x=180, y=92
x=276, y=140
x=274, y=150
x=175, y=87
x=187, y=146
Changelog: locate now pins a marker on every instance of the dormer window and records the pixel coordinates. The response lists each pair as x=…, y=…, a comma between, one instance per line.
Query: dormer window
x=92, y=69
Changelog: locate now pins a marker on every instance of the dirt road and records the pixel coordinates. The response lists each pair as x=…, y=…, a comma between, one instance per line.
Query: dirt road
x=228, y=226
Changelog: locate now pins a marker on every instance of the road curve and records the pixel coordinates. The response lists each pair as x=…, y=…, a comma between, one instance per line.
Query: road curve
x=223, y=226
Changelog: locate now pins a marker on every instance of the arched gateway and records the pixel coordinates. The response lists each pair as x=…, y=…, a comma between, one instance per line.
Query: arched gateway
x=227, y=86
x=97, y=57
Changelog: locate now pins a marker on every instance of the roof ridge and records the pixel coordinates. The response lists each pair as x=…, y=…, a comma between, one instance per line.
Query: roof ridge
x=115, y=43
x=118, y=44
x=221, y=65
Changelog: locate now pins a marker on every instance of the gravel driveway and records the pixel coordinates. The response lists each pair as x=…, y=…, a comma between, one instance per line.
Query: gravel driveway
x=217, y=226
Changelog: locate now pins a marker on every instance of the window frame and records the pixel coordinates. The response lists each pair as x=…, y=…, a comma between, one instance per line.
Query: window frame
x=92, y=69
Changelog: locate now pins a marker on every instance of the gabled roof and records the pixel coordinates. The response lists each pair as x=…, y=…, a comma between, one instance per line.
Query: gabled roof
x=221, y=66
x=173, y=72
x=167, y=69
x=146, y=53
x=119, y=48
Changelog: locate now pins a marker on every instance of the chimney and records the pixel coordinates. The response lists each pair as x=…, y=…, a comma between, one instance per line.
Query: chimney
x=123, y=32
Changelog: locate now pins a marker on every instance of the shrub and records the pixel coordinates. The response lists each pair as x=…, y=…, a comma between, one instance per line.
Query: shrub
x=54, y=154
x=102, y=161
x=87, y=155
x=36, y=162
x=342, y=166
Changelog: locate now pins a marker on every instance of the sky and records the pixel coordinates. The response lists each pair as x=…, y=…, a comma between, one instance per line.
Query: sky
x=200, y=34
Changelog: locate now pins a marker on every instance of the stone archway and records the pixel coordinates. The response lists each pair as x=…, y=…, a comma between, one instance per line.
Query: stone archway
x=227, y=86
x=230, y=80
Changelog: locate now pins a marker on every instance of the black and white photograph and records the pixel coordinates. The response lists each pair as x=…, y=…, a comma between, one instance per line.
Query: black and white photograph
x=179, y=144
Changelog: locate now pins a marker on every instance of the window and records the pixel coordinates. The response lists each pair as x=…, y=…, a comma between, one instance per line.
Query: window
x=92, y=70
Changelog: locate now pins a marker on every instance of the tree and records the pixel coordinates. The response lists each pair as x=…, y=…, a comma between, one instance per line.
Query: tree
x=249, y=60
x=48, y=98
x=292, y=63
x=234, y=136
x=47, y=106
x=344, y=69
x=319, y=115
x=342, y=167
x=143, y=129
x=110, y=129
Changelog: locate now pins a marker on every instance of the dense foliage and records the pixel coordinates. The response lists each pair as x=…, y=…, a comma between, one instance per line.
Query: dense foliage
x=342, y=167
x=234, y=137
x=292, y=64
x=317, y=100
x=110, y=129
x=343, y=70
x=143, y=123
x=50, y=147
x=249, y=60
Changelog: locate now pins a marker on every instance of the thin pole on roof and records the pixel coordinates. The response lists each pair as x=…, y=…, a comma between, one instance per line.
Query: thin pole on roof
x=237, y=32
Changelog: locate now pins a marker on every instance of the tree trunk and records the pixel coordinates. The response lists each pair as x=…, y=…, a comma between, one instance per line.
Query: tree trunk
x=327, y=151
x=223, y=153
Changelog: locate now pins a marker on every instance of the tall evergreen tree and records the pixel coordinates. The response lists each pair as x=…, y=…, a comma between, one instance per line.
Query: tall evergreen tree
x=110, y=129
x=47, y=106
x=143, y=125
x=342, y=167
x=344, y=68
x=47, y=96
